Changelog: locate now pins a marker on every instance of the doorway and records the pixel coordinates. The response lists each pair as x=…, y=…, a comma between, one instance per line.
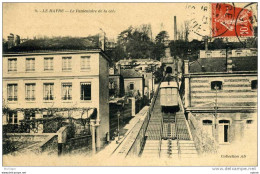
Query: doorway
x=223, y=131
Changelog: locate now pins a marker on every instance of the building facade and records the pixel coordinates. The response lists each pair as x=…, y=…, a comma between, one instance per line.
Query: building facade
x=58, y=79
x=231, y=53
x=133, y=82
x=223, y=97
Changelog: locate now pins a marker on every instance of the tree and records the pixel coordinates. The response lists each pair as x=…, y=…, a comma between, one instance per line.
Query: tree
x=162, y=37
x=135, y=42
x=159, y=48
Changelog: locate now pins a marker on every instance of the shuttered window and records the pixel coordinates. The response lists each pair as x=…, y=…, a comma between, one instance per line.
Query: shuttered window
x=66, y=91
x=48, y=63
x=48, y=91
x=85, y=63
x=12, y=64
x=66, y=63
x=12, y=92
x=30, y=64
x=30, y=91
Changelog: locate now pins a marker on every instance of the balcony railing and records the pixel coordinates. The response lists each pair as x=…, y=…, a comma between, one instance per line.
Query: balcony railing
x=66, y=98
x=48, y=98
x=12, y=98
x=30, y=99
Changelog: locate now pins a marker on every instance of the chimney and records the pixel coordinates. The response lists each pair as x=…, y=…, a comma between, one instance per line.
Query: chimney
x=102, y=38
x=186, y=66
x=10, y=41
x=16, y=40
x=118, y=69
x=206, y=40
x=175, y=28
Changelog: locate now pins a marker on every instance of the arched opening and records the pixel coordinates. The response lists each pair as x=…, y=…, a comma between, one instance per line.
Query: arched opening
x=169, y=69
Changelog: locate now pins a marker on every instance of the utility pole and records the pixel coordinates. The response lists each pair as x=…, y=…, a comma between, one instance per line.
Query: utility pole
x=227, y=46
x=216, y=109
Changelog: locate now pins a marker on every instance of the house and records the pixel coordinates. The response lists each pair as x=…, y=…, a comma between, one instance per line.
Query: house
x=221, y=94
x=142, y=65
x=60, y=77
x=231, y=53
x=133, y=82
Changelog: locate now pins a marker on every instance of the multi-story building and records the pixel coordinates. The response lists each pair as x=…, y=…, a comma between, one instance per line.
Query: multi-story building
x=57, y=79
x=231, y=53
x=221, y=94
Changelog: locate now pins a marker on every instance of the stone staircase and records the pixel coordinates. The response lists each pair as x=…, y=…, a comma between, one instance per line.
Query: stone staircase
x=151, y=149
x=187, y=149
x=175, y=149
x=168, y=149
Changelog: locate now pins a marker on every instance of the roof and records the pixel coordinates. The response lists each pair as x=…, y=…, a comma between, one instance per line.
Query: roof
x=130, y=73
x=219, y=64
x=56, y=44
x=171, y=84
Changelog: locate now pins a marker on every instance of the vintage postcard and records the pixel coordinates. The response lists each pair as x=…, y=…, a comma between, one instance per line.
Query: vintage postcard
x=130, y=84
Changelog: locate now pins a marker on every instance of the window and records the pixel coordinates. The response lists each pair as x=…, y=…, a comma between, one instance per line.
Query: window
x=12, y=64
x=12, y=92
x=249, y=124
x=30, y=91
x=48, y=63
x=85, y=89
x=249, y=121
x=216, y=85
x=30, y=64
x=224, y=121
x=238, y=54
x=207, y=122
x=66, y=91
x=85, y=63
x=12, y=118
x=111, y=85
x=48, y=91
x=66, y=63
x=132, y=86
x=254, y=84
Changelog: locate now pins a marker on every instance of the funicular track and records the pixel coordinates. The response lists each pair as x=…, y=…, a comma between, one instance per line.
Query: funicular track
x=167, y=134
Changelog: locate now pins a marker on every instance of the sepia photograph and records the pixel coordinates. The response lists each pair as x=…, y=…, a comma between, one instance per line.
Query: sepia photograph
x=130, y=84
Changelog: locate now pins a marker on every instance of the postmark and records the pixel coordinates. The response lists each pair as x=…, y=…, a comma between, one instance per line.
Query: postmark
x=245, y=25
x=198, y=16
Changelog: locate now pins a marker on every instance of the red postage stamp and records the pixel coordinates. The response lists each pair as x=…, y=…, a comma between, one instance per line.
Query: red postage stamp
x=228, y=20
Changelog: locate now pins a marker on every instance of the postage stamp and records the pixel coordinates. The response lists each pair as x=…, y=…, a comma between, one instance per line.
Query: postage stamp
x=228, y=20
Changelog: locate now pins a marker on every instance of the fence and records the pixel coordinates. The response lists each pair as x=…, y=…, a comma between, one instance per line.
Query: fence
x=76, y=143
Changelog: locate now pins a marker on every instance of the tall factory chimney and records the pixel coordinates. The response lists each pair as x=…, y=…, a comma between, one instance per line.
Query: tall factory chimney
x=206, y=40
x=175, y=28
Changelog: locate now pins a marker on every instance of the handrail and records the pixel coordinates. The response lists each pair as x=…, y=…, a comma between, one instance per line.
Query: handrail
x=179, y=149
x=182, y=106
x=160, y=143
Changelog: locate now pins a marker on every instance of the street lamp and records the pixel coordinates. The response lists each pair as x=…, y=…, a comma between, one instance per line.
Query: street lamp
x=118, y=119
x=153, y=66
x=216, y=109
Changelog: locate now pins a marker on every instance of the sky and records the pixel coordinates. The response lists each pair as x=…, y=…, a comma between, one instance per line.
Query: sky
x=83, y=19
